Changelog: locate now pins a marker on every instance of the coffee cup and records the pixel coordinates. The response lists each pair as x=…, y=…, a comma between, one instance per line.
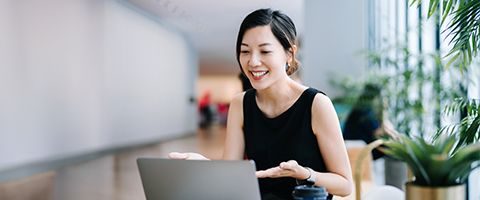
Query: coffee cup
x=307, y=192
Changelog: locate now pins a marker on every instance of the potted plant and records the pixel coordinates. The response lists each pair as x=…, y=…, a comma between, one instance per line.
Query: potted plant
x=443, y=164
x=461, y=18
x=461, y=29
x=412, y=114
x=440, y=170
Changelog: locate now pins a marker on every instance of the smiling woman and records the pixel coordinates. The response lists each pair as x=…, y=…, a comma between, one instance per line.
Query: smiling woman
x=291, y=131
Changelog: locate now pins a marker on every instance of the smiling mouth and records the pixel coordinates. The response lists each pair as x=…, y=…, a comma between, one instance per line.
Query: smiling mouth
x=259, y=74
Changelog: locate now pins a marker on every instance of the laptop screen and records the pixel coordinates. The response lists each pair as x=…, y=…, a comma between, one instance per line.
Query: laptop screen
x=198, y=179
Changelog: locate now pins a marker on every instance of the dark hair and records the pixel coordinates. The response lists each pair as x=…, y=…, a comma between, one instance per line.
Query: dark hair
x=282, y=28
x=245, y=82
x=370, y=93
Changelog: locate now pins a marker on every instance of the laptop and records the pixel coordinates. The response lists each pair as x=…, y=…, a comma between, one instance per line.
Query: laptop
x=168, y=179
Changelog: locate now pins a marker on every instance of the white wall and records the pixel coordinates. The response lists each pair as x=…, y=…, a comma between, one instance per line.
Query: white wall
x=82, y=76
x=335, y=34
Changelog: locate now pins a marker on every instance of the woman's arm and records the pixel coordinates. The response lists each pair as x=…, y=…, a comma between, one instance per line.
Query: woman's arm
x=234, y=140
x=326, y=127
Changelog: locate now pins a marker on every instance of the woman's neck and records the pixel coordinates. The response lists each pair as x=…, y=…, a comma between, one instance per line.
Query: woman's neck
x=280, y=95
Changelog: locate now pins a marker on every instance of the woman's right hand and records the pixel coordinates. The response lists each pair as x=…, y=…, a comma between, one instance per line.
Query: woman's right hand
x=186, y=156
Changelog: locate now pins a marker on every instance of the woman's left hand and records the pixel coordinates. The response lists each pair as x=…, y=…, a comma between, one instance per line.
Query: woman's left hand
x=286, y=169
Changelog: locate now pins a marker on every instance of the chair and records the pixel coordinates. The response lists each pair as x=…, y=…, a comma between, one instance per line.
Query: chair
x=377, y=192
x=354, y=148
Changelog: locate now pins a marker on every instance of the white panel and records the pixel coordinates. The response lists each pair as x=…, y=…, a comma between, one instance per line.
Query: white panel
x=401, y=21
x=474, y=93
x=83, y=76
x=335, y=36
x=413, y=29
x=51, y=40
x=474, y=185
x=147, y=88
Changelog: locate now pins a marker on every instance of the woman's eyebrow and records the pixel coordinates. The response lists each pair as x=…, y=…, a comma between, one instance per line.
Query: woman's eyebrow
x=260, y=45
x=264, y=44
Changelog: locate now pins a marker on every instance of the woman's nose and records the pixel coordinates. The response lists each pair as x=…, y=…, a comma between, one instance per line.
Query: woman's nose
x=254, y=60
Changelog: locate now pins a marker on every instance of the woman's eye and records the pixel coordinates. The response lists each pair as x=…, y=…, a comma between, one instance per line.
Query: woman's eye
x=244, y=52
x=265, y=52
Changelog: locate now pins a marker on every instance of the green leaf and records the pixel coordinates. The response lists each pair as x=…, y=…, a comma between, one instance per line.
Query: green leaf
x=396, y=149
x=448, y=145
x=462, y=29
x=446, y=11
x=419, y=2
x=417, y=157
x=453, y=59
x=463, y=159
x=433, y=4
x=469, y=135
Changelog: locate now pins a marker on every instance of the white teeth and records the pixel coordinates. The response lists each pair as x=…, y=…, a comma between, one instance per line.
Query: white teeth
x=257, y=74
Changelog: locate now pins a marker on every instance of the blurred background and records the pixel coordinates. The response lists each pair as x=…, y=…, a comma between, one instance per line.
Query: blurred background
x=82, y=79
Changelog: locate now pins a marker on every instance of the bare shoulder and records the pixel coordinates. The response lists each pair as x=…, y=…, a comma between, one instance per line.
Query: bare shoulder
x=324, y=116
x=237, y=99
x=321, y=102
x=236, y=109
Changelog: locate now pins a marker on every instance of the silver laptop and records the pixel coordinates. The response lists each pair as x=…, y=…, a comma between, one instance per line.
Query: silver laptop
x=168, y=179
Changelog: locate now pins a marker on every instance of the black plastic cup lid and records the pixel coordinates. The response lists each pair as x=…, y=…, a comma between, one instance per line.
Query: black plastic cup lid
x=309, y=191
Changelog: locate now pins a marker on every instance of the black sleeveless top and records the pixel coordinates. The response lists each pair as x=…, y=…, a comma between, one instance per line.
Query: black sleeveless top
x=289, y=136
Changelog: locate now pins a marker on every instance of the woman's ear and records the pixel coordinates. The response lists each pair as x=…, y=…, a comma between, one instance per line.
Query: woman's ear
x=291, y=53
x=293, y=49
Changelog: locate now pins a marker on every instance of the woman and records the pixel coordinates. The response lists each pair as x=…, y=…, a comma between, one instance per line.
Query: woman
x=367, y=121
x=290, y=131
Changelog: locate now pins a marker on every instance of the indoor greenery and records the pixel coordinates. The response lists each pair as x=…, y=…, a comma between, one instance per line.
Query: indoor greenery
x=468, y=129
x=436, y=163
x=448, y=158
x=463, y=27
x=415, y=94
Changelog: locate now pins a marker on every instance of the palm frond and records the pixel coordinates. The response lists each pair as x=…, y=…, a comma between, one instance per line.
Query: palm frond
x=469, y=127
x=472, y=106
x=469, y=133
x=463, y=27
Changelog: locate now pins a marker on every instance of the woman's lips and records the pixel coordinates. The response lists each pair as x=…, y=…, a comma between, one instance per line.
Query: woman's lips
x=257, y=75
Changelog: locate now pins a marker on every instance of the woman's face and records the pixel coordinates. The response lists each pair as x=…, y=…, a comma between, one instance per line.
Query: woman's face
x=262, y=57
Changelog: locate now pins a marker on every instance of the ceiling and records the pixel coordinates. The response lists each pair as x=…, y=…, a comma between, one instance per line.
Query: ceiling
x=212, y=25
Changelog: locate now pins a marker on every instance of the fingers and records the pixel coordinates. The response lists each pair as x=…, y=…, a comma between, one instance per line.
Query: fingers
x=176, y=155
x=285, y=169
x=261, y=174
x=196, y=156
x=290, y=168
x=274, y=172
x=186, y=156
x=289, y=165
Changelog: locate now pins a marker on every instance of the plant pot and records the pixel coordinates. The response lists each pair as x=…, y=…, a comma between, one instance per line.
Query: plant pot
x=395, y=172
x=416, y=192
